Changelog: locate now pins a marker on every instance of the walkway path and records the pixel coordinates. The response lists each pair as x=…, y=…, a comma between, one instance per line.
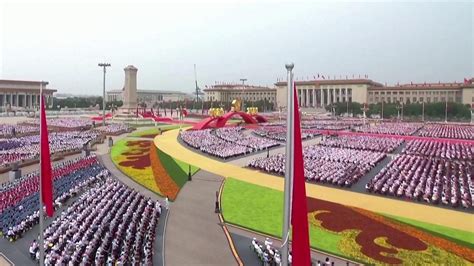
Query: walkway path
x=451, y=218
x=193, y=233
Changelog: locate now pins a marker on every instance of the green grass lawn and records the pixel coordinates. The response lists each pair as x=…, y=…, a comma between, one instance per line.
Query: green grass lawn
x=178, y=170
x=153, y=131
x=261, y=209
x=462, y=237
x=118, y=148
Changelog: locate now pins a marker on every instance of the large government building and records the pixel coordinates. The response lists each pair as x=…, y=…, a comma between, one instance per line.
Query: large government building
x=320, y=93
x=23, y=95
x=229, y=92
x=150, y=97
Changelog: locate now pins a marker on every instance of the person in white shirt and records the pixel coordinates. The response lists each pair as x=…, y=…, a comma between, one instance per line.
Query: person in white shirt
x=32, y=249
x=167, y=204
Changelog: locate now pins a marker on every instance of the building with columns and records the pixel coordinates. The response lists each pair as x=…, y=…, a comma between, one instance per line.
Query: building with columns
x=23, y=95
x=320, y=93
x=248, y=93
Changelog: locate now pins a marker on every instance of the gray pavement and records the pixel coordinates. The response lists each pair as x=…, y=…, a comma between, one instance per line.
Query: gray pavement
x=193, y=234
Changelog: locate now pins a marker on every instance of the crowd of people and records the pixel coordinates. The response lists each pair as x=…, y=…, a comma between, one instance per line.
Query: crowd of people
x=278, y=133
x=114, y=129
x=19, y=200
x=378, y=144
x=331, y=124
x=265, y=251
x=398, y=128
x=27, y=147
x=207, y=142
x=448, y=131
x=111, y=224
x=236, y=135
x=440, y=149
x=449, y=182
x=226, y=143
x=64, y=123
x=336, y=166
x=9, y=131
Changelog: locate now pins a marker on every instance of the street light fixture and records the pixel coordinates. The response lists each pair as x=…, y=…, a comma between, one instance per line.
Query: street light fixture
x=104, y=66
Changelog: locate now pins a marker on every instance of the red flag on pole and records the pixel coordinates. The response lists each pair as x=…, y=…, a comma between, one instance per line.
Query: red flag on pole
x=46, y=172
x=299, y=213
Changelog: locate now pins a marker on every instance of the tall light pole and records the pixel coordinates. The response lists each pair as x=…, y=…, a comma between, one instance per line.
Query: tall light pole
x=423, y=111
x=402, y=110
x=289, y=166
x=382, y=109
x=446, y=111
x=243, y=93
x=104, y=66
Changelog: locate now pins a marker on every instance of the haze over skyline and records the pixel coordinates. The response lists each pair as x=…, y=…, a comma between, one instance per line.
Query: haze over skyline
x=390, y=42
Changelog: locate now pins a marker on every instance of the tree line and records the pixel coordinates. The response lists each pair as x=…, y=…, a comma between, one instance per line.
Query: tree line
x=414, y=111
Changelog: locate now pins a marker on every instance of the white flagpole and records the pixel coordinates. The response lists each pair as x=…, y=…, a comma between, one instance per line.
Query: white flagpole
x=288, y=166
x=423, y=113
x=41, y=213
x=446, y=111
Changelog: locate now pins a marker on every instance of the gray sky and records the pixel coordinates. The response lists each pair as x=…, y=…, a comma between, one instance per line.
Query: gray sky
x=63, y=42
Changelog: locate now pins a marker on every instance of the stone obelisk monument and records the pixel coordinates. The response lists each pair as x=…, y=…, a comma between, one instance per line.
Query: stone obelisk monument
x=130, y=90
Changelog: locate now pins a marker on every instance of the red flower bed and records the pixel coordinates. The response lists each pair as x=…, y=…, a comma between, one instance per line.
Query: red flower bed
x=340, y=218
x=442, y=243
x=163, y=180
x=138, y=158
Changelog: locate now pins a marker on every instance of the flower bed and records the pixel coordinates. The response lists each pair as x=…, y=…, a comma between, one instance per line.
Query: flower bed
x=145, y=164
x=349, y=232
x=133, y=159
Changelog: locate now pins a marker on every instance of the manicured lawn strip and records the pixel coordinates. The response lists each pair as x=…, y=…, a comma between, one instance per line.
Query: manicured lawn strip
x=154, y=131
x=177, y=169
x=261, y=209
x=459, y=236
x=118, y=148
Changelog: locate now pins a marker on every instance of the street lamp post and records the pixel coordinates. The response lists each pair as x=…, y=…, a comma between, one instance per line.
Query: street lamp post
x=243, y=93
x=398, y=111
x=472, y=113
x=364, y=110
x=446, y=111
x=423, y=112
x=382, y=111
x=347, y=107
x=104, y=66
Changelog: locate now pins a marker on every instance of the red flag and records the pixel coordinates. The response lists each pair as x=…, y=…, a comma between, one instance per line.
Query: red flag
x=46, y=172
x=299, y=208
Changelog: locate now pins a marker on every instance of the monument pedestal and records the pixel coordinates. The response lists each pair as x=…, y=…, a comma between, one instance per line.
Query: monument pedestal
x=129, y=91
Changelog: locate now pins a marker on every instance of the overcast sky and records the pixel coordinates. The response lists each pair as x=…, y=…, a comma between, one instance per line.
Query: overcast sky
x=391, y=42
